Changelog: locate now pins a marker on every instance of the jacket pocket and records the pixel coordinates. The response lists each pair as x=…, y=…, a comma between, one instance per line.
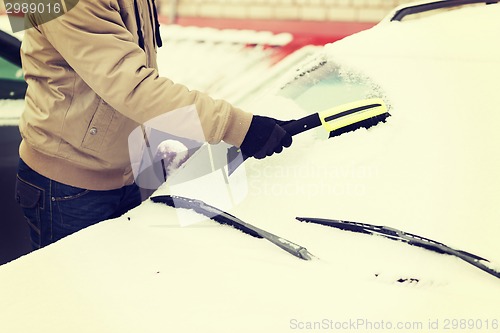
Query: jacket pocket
x=98, y=127
x=27, y=195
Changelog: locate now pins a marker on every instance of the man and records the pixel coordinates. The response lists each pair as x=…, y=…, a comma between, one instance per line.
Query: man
x=92, y=78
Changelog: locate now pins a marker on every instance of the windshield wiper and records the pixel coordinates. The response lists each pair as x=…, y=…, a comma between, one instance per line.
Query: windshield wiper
x=405, y=237
x=228, y=219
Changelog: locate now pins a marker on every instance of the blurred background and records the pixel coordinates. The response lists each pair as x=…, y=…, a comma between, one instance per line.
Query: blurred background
x=310, y=21
x=316, y=10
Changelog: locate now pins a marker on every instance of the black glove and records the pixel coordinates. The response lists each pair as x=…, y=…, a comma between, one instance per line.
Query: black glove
x=265, y=137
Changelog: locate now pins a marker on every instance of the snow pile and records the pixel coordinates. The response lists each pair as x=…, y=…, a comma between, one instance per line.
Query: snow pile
x=173, y=153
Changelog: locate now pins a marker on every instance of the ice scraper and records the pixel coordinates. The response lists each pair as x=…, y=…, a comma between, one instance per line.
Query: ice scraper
x=337, y=120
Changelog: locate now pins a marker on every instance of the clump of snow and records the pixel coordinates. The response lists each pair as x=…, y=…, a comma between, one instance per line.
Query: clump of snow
x=173, y=153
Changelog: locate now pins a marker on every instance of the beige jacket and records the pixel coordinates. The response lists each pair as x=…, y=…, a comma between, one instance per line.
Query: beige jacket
x=91, y=81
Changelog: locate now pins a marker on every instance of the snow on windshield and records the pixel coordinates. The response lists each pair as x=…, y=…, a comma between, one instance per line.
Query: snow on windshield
x=430, y=168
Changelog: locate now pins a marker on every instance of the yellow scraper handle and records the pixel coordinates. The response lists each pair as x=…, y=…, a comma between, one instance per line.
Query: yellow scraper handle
x=350, y=116
x=351, y=113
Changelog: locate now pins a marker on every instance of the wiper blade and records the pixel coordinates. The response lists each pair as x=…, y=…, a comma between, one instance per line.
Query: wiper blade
x=225, y=218
x=405, y=237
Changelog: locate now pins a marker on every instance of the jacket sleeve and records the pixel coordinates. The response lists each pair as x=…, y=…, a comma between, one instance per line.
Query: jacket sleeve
x=94, y=41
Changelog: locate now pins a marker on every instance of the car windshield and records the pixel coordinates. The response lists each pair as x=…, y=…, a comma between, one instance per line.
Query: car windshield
x=325, y=84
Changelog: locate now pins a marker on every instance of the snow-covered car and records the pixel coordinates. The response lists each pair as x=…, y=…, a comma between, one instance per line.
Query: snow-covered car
x=429, y=172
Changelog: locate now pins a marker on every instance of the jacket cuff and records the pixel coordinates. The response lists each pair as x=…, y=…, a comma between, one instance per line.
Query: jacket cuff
x=237, y=127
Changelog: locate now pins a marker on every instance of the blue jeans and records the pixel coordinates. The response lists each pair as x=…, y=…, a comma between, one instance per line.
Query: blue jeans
x=55, y=210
